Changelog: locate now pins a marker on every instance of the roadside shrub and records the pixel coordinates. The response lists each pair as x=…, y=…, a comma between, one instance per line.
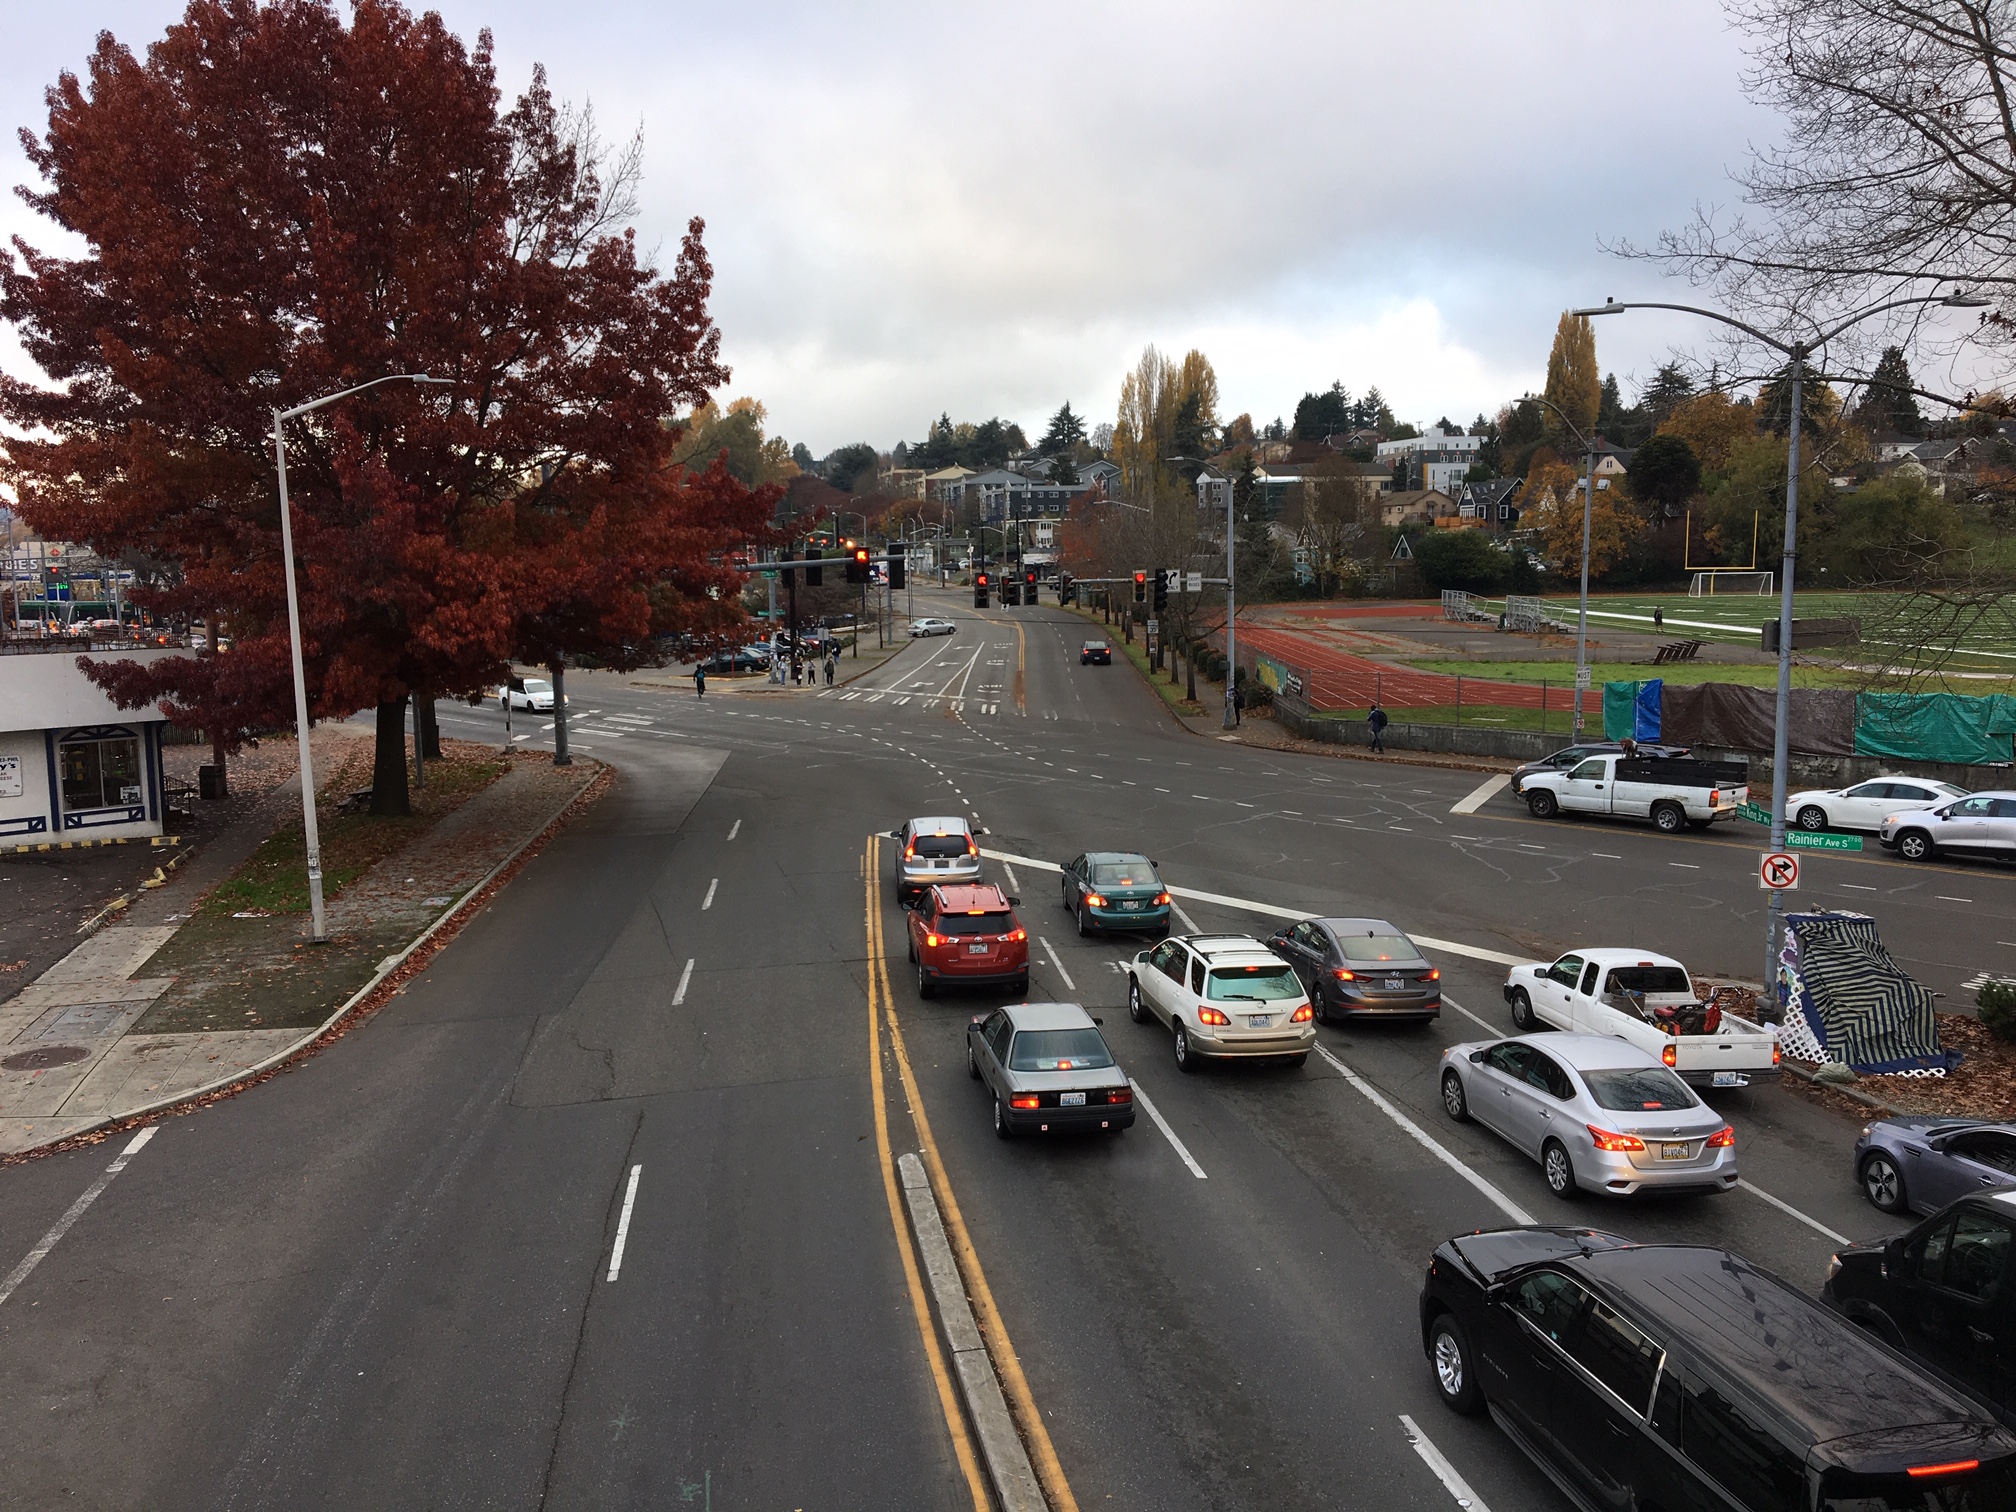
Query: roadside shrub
x=1997, y=1004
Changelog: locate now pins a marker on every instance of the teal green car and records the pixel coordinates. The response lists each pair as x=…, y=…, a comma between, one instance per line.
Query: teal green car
x=1116, y=890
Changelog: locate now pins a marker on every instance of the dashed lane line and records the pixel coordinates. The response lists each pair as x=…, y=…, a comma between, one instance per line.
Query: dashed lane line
x=1155, y=1113
x=1050, y=951
x=623, y=1223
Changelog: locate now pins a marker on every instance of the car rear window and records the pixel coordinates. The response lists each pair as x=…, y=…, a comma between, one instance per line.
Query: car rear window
x=1262, y=984
x=1378, y=947
x=1123, y=874
x=1650, y=979
x=938, y=846
x=538, y=685
x=1639, y=1089
x=1059, y=1050
x=975, y=924
x=1988, y=1489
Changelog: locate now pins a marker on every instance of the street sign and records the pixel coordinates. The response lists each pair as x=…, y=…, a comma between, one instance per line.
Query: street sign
x=1582, y=677
x=1194, y=582
x=1756, y=813
x=1778, y=872
x=1814, y=840
x=1154, y=627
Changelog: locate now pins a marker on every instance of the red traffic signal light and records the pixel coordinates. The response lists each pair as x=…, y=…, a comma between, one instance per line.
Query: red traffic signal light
x=980, y=581
x=861, y=556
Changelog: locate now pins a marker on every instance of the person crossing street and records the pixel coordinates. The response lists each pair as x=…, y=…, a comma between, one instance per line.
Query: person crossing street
x=1378, y=721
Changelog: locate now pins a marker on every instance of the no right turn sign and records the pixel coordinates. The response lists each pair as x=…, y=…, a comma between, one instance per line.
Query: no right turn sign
x=1778, y=871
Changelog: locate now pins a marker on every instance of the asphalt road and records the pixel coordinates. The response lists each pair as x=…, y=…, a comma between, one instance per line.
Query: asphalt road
x=389, y=1278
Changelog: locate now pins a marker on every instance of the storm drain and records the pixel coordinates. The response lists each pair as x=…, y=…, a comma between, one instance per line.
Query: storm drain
x=42, y=1059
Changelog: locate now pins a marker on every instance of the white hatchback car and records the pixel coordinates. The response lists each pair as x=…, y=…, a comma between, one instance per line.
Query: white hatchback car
x=1866, y=805
x=1224, y=997
x=923, y=627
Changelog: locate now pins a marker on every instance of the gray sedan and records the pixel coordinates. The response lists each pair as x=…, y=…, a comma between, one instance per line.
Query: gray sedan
x=1600, y=1115
x=1360, y=968
x=1921, y=1162
x=1048, y=1068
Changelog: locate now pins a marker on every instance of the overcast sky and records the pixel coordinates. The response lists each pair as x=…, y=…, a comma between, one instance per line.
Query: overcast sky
x=920, y=208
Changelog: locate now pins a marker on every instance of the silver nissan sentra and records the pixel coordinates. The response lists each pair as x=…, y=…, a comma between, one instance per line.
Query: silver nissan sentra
x=1600, y=1115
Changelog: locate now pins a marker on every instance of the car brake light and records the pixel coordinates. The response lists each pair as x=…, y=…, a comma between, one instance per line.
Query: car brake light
x=1302, y=1015
x=1951, y=1467
x=1120, y=1095
x=1670, y=1055
x=1211, y=1016
x=1433, y=976
x=1017, y=937
x=934, y=941
x=909, y=853
x=1161, y=900
x=1024, y=1100
x=1714, y=797
x=1723, y=1138
x=1619, y=1143
x=972, y=849
x=1776, y=1053
x=1342, y=975
x=1093, y=900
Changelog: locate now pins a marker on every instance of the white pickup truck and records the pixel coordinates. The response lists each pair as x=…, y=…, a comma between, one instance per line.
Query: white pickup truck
x=1672, y=791
x=1649, y=1001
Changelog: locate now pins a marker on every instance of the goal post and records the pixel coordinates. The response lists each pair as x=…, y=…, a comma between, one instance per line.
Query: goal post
x=1729, y=582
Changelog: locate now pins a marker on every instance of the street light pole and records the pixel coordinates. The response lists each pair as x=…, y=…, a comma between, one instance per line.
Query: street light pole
x=311, y=835
x=1588, y=506
x=1781, y=739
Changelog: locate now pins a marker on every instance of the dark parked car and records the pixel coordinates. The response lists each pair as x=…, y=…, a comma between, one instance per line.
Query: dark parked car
x=1569, y=757
x=736, y=663
x=1918, y=1163
x=1943, y=1292
x=1048, y=1068
x=1631, y=1372
x=1115, y=890
x=1360, y=968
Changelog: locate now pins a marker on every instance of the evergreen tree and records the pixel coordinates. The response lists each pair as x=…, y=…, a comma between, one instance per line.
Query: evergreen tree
x=802, y=455
x=1066, y=431
x=1888, y=405
x=1669, y=389
x=1276, y=430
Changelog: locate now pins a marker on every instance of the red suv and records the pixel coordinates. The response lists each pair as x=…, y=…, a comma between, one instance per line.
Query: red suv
x=967, y=935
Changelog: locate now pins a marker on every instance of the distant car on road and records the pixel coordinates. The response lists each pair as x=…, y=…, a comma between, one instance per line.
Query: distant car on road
x=1598, y=1114
x=1224, y=997
x=1867, y=804
x=534, y=693
x=932, y=851
x=1981, y=824
x=968, y=936
x=931, y=626
x=1115, y=890
x=1360, y=968
x=1917, y=1163
x=1048, y=1069
x=1096, y=651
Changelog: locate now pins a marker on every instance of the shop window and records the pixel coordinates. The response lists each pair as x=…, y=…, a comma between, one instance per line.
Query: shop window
x=101, y=771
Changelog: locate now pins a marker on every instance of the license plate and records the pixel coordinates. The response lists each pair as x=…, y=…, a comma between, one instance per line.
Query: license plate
x=1729, y=1078
x=1394, y=984
x=977, y=949
x=1134, y=907
x=1259, y=1020
x=1673, y=1151
x=1071, y=1099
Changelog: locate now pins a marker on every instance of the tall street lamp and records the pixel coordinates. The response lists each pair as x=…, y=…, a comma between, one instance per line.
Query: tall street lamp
x=1588, y=505
x=1797, y=352
x=309, y=831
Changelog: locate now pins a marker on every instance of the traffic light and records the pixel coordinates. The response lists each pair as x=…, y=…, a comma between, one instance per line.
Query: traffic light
x=896, y=567
x=979, y=590
x=1029, y=578
x=815, y=577
x=857, y=564
x=1140, y=587
x=1161, y=589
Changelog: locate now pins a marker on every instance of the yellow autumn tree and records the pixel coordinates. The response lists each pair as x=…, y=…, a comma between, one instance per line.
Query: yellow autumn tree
x=752, y=457
x=1159, y=398
x=1550, y=503
x=1574, y=386
x=1712, y=425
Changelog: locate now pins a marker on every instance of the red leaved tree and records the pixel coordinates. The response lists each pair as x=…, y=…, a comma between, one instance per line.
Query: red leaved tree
x=276, y=206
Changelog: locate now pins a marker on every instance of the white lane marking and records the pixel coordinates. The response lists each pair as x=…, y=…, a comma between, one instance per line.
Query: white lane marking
x=1069, y=985
x=1188, y=923
x=1167, y=1132
x=1944, y=899
x=1785, y=1207
x=76, y=1210
x=1454, y=947
x=679, y=992
x=1013, y=881
x=1855, y=886
x=708, y=902
x=1684, y=865
x=734, y=829
x=1427, y=1141
x=1606, y=856
x=1445, y=1472
x=1485, y=792
x=623, y=1223
x=1484, y=1024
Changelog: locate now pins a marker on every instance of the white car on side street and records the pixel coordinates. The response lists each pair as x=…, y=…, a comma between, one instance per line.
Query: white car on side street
x=1224, y=997
x=1865, y=805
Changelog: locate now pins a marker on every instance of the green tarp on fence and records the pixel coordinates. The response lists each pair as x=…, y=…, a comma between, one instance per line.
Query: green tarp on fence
x=1620, y=710
x=1934, y=727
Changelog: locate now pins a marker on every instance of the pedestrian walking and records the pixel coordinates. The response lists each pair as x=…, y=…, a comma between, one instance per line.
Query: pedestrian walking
x=797, y=670
x=1658, y=618
x=1378, y=721
x=699, y=679
x=1238, y=705
x=832, y=666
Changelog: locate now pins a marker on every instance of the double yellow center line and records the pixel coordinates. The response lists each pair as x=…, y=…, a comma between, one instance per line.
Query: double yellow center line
x=1015, y=1386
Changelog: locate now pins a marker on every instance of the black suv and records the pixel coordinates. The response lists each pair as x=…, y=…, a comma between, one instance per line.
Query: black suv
x=1944, y=1291
x=1685, y=1377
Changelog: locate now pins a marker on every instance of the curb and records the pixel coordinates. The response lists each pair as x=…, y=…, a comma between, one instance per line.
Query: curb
x=386, y=968
x=1008, y=1468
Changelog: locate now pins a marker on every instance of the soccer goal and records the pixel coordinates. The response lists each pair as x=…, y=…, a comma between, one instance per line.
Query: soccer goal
x=1729, y=582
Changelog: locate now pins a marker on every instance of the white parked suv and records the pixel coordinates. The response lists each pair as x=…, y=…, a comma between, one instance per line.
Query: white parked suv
x=1223, y=997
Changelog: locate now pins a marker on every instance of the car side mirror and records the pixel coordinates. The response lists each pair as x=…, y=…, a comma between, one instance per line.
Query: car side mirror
x=1897, y=1259
x=895, y=834
x=1014, y=902
x=1142, y=956
x=1476, y=1057
x=1097, y=1020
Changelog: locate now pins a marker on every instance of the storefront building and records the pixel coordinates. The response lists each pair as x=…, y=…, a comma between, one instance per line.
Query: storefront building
x=73, y=765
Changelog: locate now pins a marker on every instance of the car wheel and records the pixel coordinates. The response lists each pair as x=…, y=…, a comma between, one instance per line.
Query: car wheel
x=1455, y=1379
x=1812, y=817
x=1883, y=1183
x=1915, y=845
x=1186, y=1060
x=1454, y=1103
x=1522, y=1011
x=972, y=1062
x=1558, y=1169
x=925, y=987
x=1668, y=818
x=1541, y=805
x=1136, y=1009
x=1002, y=1128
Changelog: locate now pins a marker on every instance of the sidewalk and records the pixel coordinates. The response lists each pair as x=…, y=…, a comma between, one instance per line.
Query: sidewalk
x=178, y=999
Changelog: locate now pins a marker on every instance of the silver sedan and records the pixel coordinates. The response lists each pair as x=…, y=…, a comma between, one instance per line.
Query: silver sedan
x=1600, y=1115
